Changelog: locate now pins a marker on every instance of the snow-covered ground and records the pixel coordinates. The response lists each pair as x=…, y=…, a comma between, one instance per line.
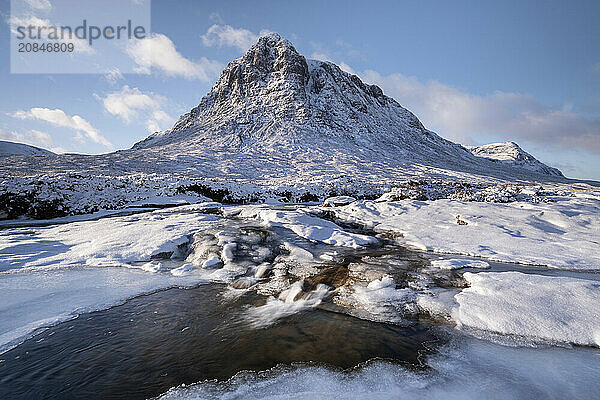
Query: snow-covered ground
x=308, y=226
x=562, y=233
x=7, y=148
x=55, y=272
x=556, y=309
x=111, y=241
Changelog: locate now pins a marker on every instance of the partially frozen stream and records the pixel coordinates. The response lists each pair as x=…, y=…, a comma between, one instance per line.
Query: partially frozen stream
x=323, y=311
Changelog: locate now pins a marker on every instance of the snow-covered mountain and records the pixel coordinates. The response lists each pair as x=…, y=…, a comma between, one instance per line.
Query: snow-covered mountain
x=274, y=126
x=511, y=154
x=273, y=99
x=275, y=117
x=7, y=148
x=273, y=102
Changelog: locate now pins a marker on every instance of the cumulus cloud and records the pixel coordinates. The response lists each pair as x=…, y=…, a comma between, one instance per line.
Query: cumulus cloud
x=58, y=117
x=159, y=52
x=461, y=116
x=32, y=137
x=226, y=35
x=131, y=104
x=113, y=76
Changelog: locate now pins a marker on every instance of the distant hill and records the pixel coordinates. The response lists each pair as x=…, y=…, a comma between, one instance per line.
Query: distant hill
x=11, y=148
x=510, y=153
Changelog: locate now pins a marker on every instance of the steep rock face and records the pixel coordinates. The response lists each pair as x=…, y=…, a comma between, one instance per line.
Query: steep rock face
x=510, y=153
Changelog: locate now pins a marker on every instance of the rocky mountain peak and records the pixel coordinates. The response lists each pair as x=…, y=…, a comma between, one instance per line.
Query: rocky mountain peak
x=270, y=59
x=274, y=102
x=273, y=93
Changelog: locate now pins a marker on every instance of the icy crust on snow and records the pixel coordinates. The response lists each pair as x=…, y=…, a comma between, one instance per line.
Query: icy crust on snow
x=470, y=370
x=112, y=241
x=308, y=226
x=555, y=309
x=37, y=299
x=562, y=234
x=457, y=263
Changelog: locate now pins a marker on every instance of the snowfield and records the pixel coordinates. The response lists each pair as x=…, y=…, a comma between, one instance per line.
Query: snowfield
x=110, y=241
x=7, y=148
x=40, y=264
x=563, y=233
x=556, y=309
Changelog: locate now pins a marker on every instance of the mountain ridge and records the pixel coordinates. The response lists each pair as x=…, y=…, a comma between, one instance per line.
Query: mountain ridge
x=274, y=127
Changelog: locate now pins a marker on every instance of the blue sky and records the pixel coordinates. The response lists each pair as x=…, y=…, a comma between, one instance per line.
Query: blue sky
x=474, y=72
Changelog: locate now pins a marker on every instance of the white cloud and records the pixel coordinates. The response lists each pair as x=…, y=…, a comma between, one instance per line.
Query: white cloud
x=226, y=35
x=345, y=67
x=41, y=5
x=40, y=137
x=113, y=76
x=326, y=57
x=59, y=118
x=79, y=45
x=341, y=52
x=322, y=56
x=32, y=137
x=462, y=117
x=131, y=104
x=158, y=51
